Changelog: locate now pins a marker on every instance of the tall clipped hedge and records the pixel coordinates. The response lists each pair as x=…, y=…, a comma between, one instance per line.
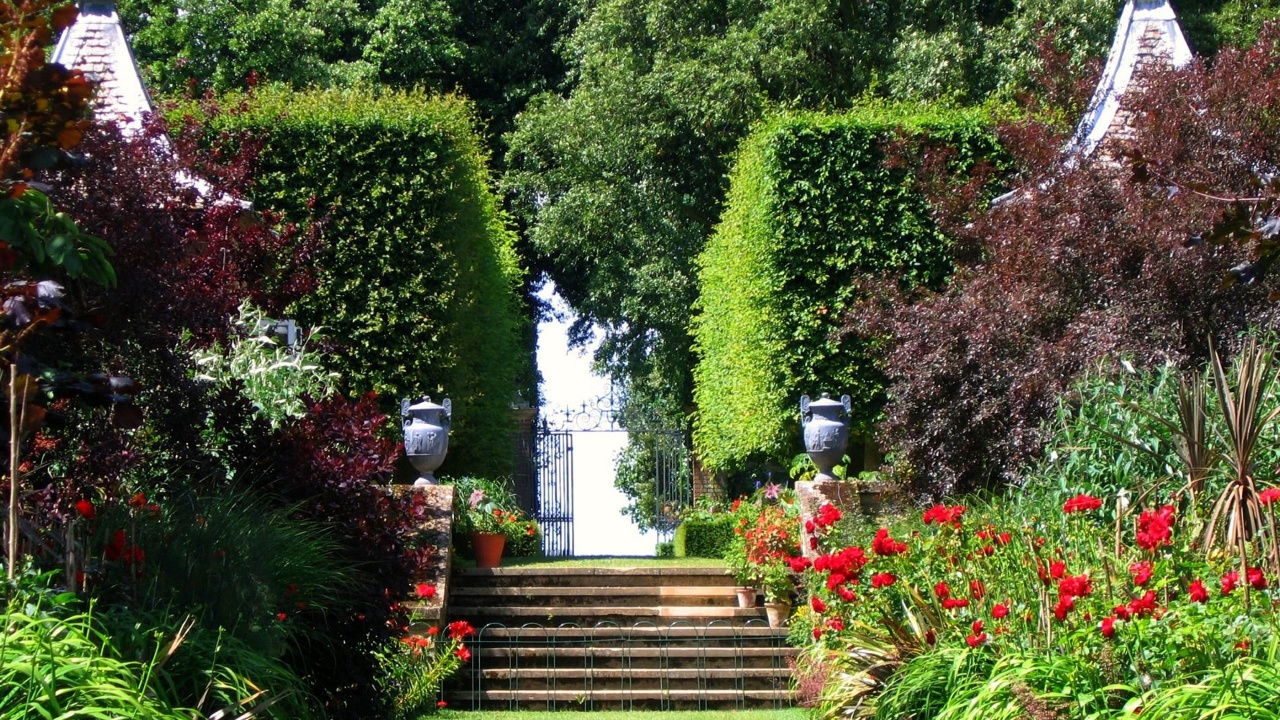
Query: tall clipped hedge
x=420, y=277
x=813, y=206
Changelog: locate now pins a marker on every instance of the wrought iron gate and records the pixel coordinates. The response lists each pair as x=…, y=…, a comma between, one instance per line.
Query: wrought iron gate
x=553, y=468
x=554, y=465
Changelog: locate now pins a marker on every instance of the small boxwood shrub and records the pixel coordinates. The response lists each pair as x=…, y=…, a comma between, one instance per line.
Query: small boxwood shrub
x=707, y=537
x=814, y=206
x=419, y=279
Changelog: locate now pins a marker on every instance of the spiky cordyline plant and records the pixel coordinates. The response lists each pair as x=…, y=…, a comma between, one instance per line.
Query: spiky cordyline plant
x=1236, y=517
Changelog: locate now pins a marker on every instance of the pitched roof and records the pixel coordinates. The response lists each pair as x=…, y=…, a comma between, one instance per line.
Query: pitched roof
x=96, y=44
x=1148, y=32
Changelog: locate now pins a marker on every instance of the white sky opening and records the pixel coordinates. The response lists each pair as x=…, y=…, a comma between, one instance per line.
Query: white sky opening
x=599, y=525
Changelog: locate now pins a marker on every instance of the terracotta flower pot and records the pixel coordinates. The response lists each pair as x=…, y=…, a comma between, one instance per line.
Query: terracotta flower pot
x=778, y=613
x=746, y=597
x=488, y=548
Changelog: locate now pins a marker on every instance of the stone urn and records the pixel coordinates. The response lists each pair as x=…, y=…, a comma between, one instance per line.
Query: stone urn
x=826, y=432
x=426, y=436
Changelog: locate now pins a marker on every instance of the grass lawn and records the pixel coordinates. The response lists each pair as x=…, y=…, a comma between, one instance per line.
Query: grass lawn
x=612, y=562
x=787, y=714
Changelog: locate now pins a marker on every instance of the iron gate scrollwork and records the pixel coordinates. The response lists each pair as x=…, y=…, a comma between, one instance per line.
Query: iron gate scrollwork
x=552, y=473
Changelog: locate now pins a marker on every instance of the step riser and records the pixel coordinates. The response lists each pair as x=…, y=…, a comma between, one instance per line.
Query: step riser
x=580, y=687
x=542, y=705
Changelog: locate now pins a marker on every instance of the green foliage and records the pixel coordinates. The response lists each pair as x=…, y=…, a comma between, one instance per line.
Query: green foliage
x=273, y=376
x=419, y=282
x=813, y=208
x=48, y=241
x=636, y=474
x=414, y=669
x=58, y=659
x=704, y=537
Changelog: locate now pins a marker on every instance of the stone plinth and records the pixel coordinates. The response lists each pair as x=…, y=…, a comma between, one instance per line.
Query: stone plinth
x=814, y=493
x=436, y=506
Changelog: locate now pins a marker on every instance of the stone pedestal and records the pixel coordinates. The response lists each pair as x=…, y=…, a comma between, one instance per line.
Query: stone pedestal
x=436, y=503
x=814, y=494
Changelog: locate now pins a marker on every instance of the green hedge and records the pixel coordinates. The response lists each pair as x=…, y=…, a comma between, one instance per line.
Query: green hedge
x=704, y=537
x=812, y=207
x=420, y=278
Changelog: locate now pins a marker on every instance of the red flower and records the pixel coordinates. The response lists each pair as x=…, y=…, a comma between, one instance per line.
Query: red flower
x=953, y=603
x=1255, y=578
x=1075, y=586
x=1141, y=572
x=817, y=604
x=1122, y=612
x=1004, y=538
x=880, y=580
x=1155, y=528
x=1109, y=627
x=433, y=630
x=460, y=629
x=1066, y=604
x=976, y=640
x=1196, y=591
x=977, y=627
x=1000, y=611
x=139, y=500
x=425, y=591
x=463, y=653
x=817, y=632
x=1268, y=496
x=1057, y=569
x=799, y=564
x=941, y=514
x=115, y=548
x=86, y=509
x=930, y=636
x=1229, y=582
x=942, y=591
x=282, y=616
x=1081, y=503
x=441, y=704
x=882, y=544
x=977, y=590
x=846, y=594
x=1144, y=606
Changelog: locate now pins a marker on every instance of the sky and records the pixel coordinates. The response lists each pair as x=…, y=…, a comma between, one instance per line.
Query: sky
x=600, y=528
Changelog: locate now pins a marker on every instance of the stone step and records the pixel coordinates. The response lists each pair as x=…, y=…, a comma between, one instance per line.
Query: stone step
x=720, y=631
x=591, y=577
x=623, y=615
x=634, y=657
x=618, y=699
x=722, y=595
x=586, y=679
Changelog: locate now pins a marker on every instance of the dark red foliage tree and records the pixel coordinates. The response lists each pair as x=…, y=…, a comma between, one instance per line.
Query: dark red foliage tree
x=1093, y=261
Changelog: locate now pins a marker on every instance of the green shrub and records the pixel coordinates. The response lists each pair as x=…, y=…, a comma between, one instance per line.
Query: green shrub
x=420, y=278
x=813, y=207
x=704, y=537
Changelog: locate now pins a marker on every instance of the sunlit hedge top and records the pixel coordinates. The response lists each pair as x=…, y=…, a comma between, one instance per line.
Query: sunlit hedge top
x=420, y=274
x=812, y=207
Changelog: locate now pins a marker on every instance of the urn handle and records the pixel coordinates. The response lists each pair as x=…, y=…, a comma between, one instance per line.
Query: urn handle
x=446, y=415
x=848, y=405
x=805, y=415
x=404, y=411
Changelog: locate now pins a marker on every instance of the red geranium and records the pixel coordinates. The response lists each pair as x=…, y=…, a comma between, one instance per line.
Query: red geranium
x=1141, y=572
x=953, y=603
x=942, y=515
x=818, y=606
x=85, y=509
x=976, y=640
x=1000, y=611
x=1155, y=528
x=942, y=591
x=425, y=591
x=1196, y=591
x=1229, y=582
x=1075, y=586
x=1255, y=578
x=1144, y=606
x=1081, y=503
x=880, y=580
x=1268, y=496
x=1109, y=626
x=882, y=544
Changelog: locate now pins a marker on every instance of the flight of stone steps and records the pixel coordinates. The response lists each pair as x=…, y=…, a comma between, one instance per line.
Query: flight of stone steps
x=557, y=638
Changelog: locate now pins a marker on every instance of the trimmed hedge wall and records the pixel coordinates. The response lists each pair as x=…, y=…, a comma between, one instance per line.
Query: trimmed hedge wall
x=704, y=537
x=420, y=279
x=812, y=206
